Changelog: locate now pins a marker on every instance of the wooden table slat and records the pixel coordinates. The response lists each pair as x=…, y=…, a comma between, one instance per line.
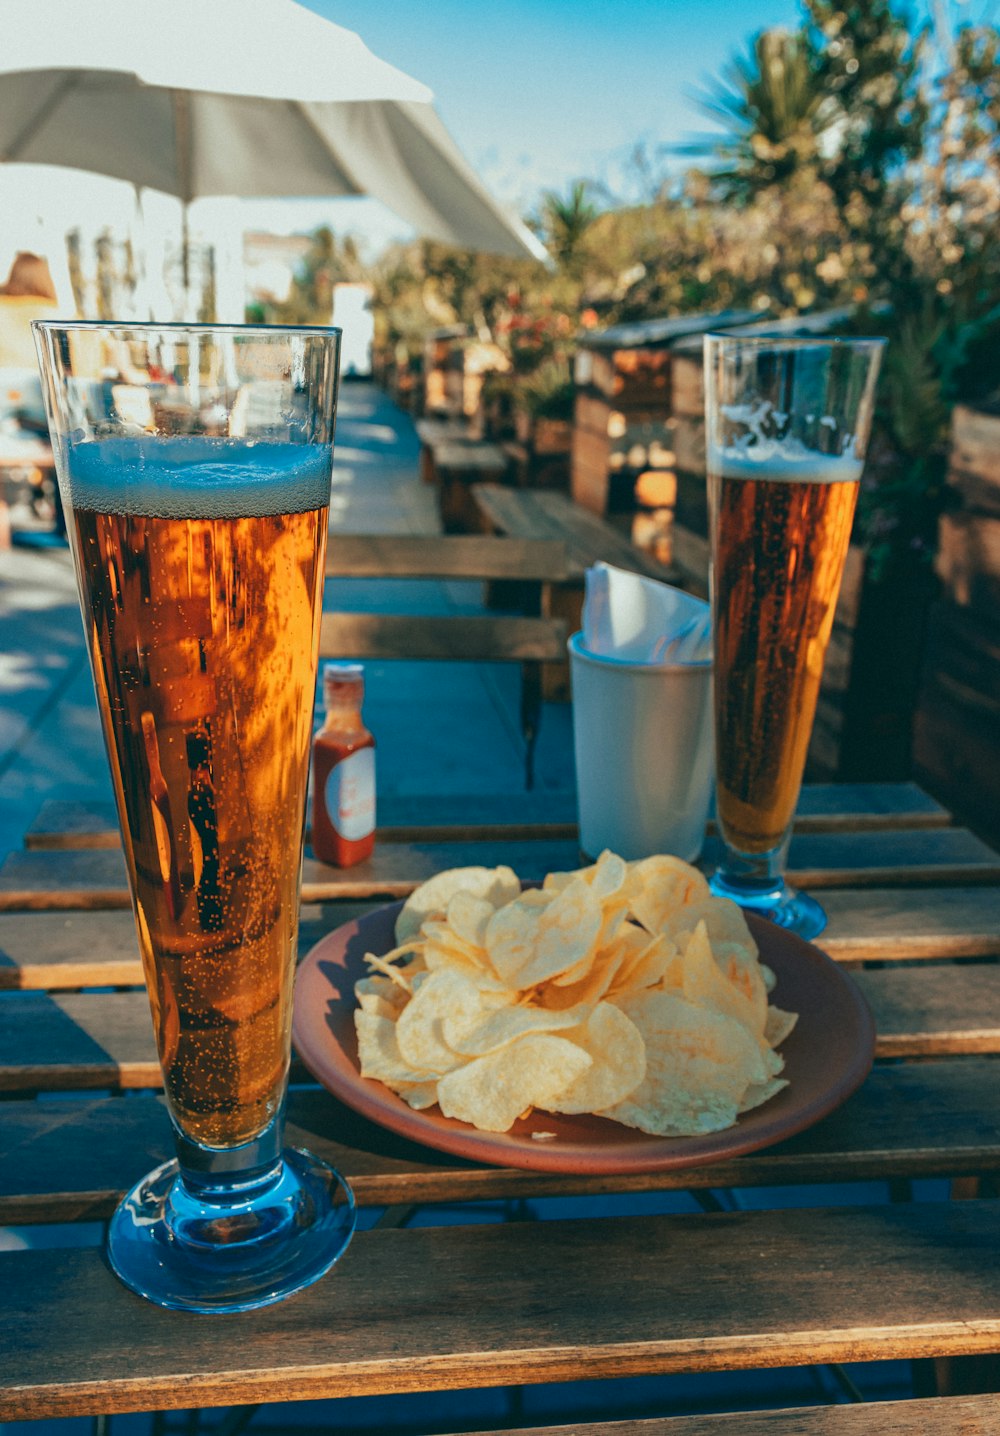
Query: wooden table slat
x=96, y=878
x=540, y=513
x=909, y=1120
x=445, y=556
x=62, y=823
x=877, y=924
x=513, y=1303
x=477, y=639
x=83, y=1039
x=928, y=1011
x=944, y=1416
x=92, y=948
x=50, y=951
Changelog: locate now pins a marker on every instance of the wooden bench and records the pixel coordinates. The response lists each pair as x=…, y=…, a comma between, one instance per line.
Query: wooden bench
x=432, y=432
x=31, y=458
x=530, y=639
x=544, y=514
x=459, y=465
x=589, y=539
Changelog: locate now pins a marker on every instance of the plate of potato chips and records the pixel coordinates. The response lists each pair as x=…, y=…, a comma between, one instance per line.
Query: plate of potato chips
x=614, y=1018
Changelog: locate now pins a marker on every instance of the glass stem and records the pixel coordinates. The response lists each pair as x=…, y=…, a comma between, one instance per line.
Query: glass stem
x=224, y=1174
x=760, y=874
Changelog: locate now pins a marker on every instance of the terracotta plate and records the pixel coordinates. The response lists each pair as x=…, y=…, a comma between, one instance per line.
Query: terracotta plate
x=826, y=1058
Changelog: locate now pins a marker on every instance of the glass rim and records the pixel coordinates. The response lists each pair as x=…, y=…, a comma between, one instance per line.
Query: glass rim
x=177, y=329
x=795, y=341
x=613, y=661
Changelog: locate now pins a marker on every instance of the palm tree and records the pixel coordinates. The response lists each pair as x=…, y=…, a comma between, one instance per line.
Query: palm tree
x=778, y=113
x=566, y=221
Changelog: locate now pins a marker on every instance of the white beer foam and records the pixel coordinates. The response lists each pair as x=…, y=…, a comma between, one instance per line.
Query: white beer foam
x=766, y=444
x=197, y=478
x=784, y=462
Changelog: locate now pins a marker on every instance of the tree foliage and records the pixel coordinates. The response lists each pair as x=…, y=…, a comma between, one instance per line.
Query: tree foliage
x=566, y=222
x=857, y=169
x=776, y=113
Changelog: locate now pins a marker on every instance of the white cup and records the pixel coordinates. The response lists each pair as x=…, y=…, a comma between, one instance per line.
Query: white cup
x=642, y=733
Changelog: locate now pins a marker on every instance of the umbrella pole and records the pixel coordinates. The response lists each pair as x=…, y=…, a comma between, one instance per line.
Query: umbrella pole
x=186, y=257
x=182, y=137
x=141, y=257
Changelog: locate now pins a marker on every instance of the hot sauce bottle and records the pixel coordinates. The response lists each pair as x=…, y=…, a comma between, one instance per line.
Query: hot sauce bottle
x=343, y=805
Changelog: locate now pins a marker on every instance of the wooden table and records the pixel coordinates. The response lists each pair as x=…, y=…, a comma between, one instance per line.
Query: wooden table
x=33, y=457
x=914, y=909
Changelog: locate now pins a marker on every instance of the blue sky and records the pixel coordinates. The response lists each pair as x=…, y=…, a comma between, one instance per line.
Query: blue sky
x=539, y=92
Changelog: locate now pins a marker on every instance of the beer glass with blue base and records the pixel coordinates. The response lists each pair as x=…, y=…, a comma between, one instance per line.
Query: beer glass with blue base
x=194, y=466
x=787, y=424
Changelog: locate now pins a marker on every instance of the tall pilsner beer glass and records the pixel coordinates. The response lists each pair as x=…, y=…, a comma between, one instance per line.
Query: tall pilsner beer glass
x=787, y=425
x=196, y=486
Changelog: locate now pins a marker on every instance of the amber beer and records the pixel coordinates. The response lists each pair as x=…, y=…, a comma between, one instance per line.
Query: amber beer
x=780, y=537
x=202, y=618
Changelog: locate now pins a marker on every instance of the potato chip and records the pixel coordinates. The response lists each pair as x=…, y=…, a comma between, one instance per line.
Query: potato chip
x=457, y=956
x=440, y=946
x=495, y=885
x=505, y=1025
x=618, y=1062
x=724, y=922
x=380, y=996
x=658, y=886
x=607, y=876
x=760, y=1092
x=653, y=962
x=492, y=1092
x=401, y=977
x=512, y=932
x=779, y=1025
x=450, y=994
x=418, y=1095
x=699, y=1067
x=698, y=1031
x=625, y=989
x=706, y=984
x=568, y=931
x=378, y=1051
x=555, y=882
x=743, y=969
x=540, y=935
x=467, y=917
x=586, y=991
x=773, y=1061
x=681, y=1096
x=614, y=915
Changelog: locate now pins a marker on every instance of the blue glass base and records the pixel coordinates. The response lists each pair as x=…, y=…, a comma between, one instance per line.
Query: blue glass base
x=782, y=904
x=231, y=1248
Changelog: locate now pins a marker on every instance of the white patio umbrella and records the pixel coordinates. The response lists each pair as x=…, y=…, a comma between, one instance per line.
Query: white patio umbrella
x=235, y=97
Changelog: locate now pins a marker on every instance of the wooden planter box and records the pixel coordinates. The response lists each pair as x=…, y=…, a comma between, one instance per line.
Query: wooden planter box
x=611, y=447
x=957, y=722
x=552, y=436
x=958, y=710
x=968, y=560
